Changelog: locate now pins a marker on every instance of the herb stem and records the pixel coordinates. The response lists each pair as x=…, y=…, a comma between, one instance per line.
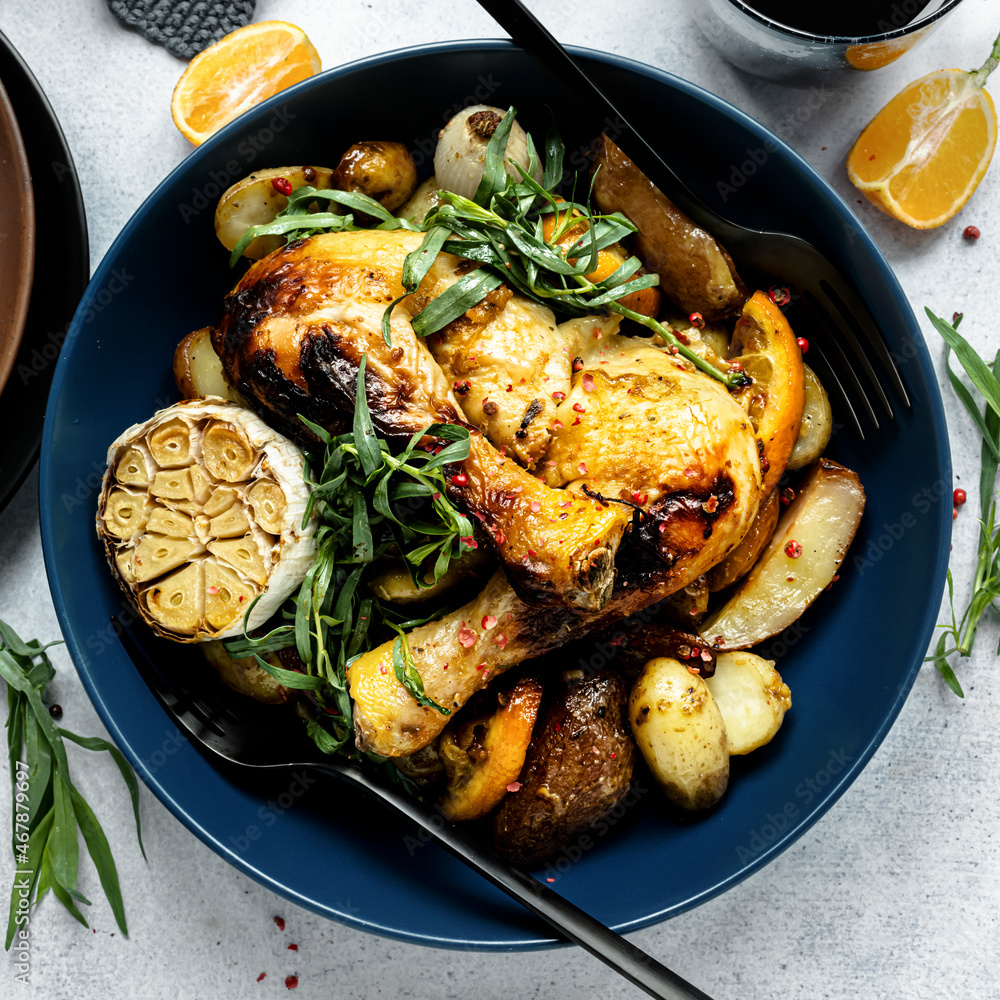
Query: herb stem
x=730, y=380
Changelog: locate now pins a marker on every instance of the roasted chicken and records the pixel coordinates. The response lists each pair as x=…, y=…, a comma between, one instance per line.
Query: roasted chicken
x=646, y=470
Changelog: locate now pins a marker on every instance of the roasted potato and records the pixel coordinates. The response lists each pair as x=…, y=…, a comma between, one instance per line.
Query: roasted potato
x=484, y=754
x=752, y=698
x=816, y=426
x=392, y=581
x=421, y=201
x=577, y=770
x=384, y=171
x=740, y=561
x=198, y=370
x=680, y=732
x=255, y=200
x=246, y=675
x=696, y=274
x=801, y=560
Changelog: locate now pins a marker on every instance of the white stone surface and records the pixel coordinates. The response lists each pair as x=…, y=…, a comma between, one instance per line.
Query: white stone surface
x=892, y=895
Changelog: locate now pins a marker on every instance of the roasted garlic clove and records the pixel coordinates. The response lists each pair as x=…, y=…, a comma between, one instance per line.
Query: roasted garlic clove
x=132, y=469
x=200, y=515
x=229, y=523
x=125, y=514
x=268, y=504
x=170, y=444
x=173, y=485
x=243, y=555
x=158, y=554
x=170, y=522
x=227, y=453
x=177, y=603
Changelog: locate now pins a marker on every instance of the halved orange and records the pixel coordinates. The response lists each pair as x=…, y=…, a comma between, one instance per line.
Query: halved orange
x=239, y=71
x=921, y=157
x=766, y=347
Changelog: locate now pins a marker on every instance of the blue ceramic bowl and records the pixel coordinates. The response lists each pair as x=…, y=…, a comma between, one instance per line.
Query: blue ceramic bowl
x=850, y=662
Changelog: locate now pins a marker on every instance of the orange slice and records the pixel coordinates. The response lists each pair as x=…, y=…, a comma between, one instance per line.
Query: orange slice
x=921, y=157
x=646, y=301
x=485, y=755
x=237, y=72
x=766, y=347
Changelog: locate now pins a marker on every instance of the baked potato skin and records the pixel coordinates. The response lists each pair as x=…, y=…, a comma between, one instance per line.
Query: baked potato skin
x=696, y=274
x=578, y=768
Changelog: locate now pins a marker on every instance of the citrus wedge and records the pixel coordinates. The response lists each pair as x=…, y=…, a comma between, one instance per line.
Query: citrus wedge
x=921, y=157
x=765, y=346
x=237, y=72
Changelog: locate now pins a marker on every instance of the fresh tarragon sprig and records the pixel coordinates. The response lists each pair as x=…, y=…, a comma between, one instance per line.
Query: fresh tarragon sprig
x=986, y=580
x=501, y=229
x=49, y=811
x=370, y=503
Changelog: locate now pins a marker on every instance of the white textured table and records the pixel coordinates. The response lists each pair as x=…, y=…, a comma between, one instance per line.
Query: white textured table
x=893, y=894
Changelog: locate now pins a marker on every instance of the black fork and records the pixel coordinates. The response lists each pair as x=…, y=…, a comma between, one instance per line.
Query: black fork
x=237, y=732
x=844, y=332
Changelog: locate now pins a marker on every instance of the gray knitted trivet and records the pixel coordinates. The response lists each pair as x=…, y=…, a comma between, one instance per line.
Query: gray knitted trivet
x=183, y=27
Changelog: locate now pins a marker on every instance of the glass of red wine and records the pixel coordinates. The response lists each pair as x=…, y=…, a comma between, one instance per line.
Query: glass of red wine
x=806, y=41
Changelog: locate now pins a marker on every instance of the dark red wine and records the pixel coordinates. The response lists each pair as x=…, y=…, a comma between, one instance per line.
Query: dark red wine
x=854, y=18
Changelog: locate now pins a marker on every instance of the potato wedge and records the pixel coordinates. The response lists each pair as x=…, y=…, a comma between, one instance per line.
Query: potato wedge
x=198, y=370
x=255, y=200
x=680, y=732
x=816, y=426
x=245, y=675
x=485, y=754
x=752, y=698
x=578, y=769
x=740, y=561
x=695, y=272
x=819, y=525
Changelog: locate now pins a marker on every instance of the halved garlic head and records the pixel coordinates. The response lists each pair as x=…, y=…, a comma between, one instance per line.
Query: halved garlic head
x=200, y=514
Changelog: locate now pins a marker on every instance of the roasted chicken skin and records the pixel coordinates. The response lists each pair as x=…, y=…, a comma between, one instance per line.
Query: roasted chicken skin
x=291, y=340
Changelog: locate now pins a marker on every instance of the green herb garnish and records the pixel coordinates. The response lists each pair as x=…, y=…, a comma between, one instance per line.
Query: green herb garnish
x=370, y=503
x=986, y=581
x=49, y=811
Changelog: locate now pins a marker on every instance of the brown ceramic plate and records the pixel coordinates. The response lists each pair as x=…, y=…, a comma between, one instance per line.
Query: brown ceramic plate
x=17, y=237
x=22, y=402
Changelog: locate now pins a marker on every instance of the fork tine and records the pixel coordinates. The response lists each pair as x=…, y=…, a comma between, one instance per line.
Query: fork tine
x=836, y=388
x=837, y=364
x=857, y=315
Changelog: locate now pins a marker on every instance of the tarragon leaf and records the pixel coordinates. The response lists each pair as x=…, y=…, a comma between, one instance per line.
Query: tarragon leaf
x=407, y=674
